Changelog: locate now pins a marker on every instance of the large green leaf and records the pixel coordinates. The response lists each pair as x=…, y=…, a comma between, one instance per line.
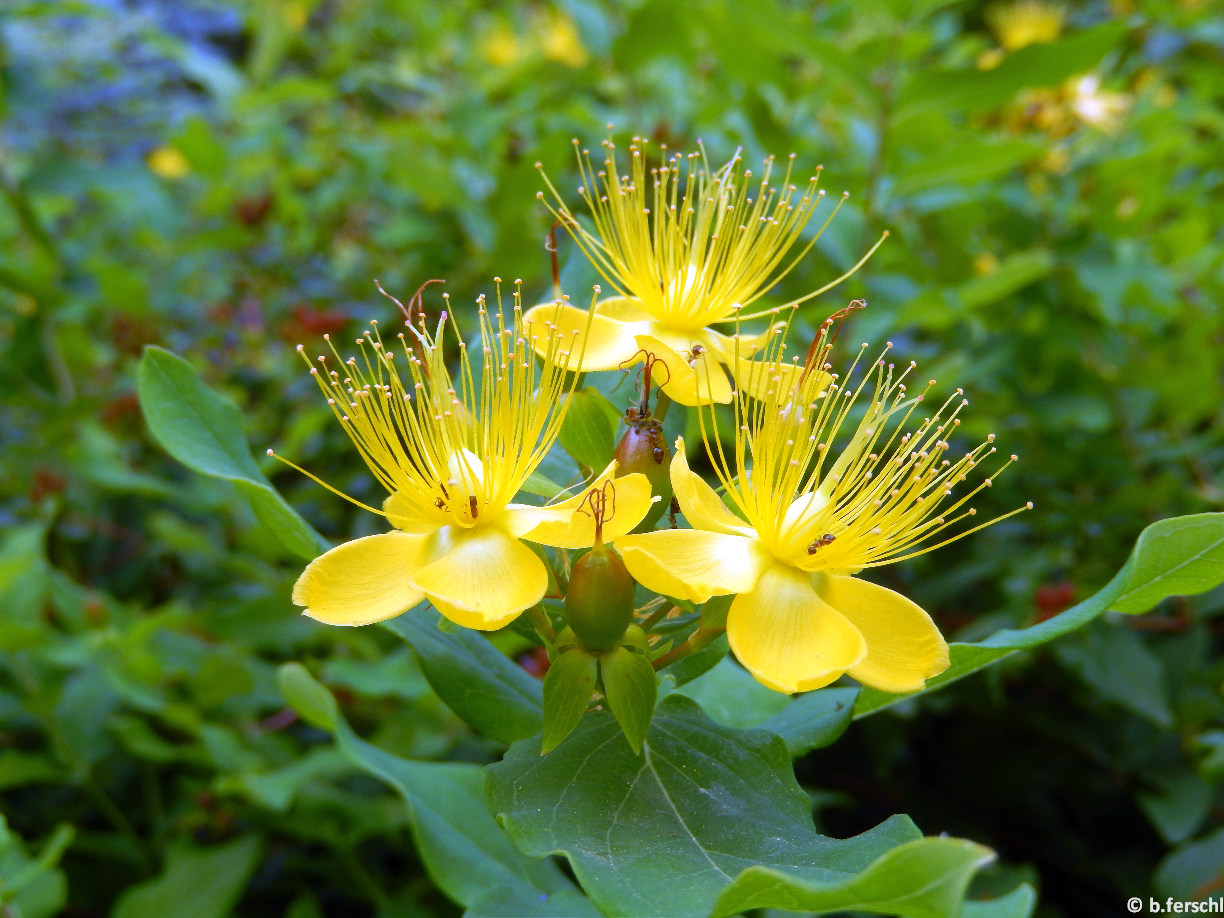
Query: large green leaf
x=462, y=848
x=730, y=695
x=1176, y=557
x=924, y=878
x=197, y=882
x=492, y=694
x=1171, y=557
x=707, y=803
x=203, y=430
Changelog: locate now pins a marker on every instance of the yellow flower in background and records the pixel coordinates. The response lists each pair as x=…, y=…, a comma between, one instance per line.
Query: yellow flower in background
x=500, y=46
x=799, y=518
x=1096, y=107
x=687, y=247
x=453, y=451
x=560, y=41
x=1026, y=22
x=550, y=34
x=168, y=163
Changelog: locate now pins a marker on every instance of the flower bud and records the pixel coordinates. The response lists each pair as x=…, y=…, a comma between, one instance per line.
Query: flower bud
x=599, y=603
x=643, y=449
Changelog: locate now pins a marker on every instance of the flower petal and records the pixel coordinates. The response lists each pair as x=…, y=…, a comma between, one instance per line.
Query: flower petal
x=569, y=524
x=692, y=564
x=482, y=577
x=904, y=648
x=609, y=341
x=696, y=381
x=363, y=581
x=406, y=516
x=730, y=348
x=622, y=309
x=788, y=637
x=699, y=502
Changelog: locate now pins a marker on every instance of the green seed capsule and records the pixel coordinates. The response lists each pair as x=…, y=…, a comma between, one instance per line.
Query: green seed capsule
x=599, y=603
x=643, y=449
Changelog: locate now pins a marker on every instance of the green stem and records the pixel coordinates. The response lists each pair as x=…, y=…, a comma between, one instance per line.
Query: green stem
x=655, y=617
x=698, y=641
x=539, y=618
x=362, y=877
x=662, y=403
x=12, y=191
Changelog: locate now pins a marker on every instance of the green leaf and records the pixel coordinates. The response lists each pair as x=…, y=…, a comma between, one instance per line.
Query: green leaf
x=197, y=882
x=1176, y=557
x=971, y=161
x=203, y=430
x=1171, y=556
x=630, y=684
x=489, y=691
x=1178, y=804
x=567, y=692
x=310, y=699
x=730, y=695
x=1014, y=273
x=1194, y=871
x=1119, y=666
x=32, y=887
x=925, y=878
x=814, y=720
x=1045, y=64
x=703, y=802
x=589, y=429
x=1019, y=903
x=463, y=849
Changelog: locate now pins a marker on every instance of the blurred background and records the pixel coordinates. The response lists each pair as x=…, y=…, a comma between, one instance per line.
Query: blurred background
x=226, y=178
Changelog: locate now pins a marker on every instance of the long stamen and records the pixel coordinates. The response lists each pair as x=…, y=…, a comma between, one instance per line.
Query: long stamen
x=692, y=244
x=455, y=449
x=889, y=491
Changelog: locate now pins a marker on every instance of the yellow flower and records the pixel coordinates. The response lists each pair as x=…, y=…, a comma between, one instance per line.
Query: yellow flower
x=687, y=247
x=168, y=163
x=560, y=40
x=1093, y=106
x=1026, y=22
x=453, y=451
x=797, y=525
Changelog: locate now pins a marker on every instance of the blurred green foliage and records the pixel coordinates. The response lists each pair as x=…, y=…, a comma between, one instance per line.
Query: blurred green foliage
x=226, y=178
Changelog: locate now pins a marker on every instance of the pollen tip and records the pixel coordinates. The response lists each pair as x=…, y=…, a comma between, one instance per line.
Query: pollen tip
x=270, y=453
x=1028, y=505
x=1014, y=457
x=300, y=348
x=497, y=280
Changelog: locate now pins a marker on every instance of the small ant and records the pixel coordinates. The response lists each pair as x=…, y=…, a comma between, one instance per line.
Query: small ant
x=691, y=355
x=672, y=509
x=827, y=539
